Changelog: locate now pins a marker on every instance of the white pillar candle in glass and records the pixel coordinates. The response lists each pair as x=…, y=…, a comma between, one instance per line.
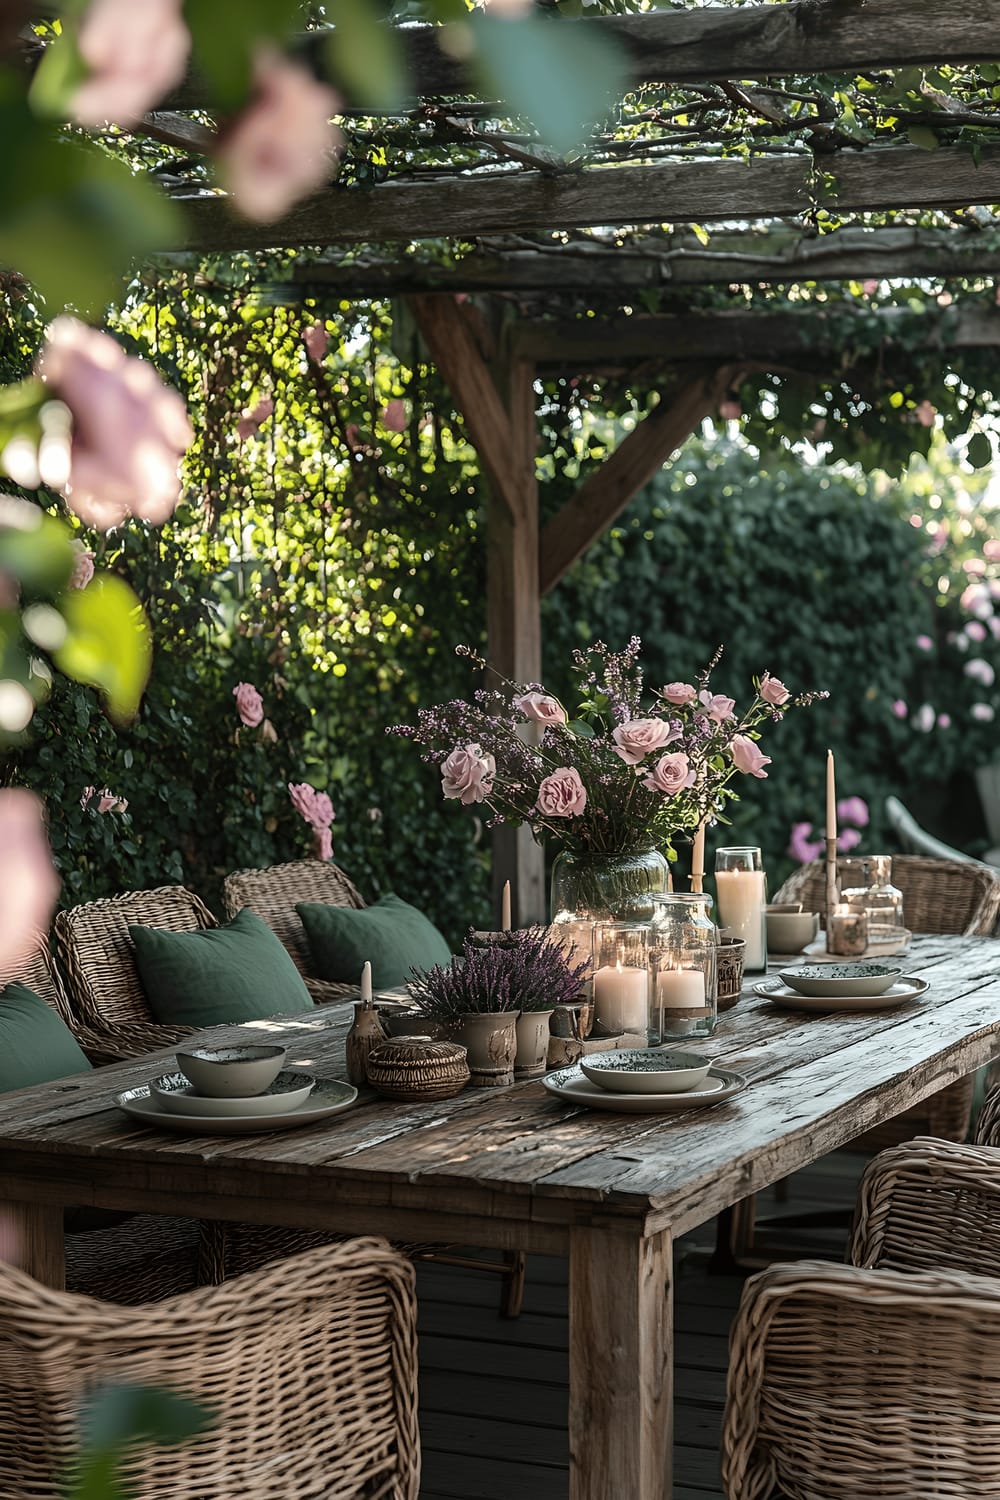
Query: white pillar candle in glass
x=741, y=886
x=680, y=988
x=620, y=999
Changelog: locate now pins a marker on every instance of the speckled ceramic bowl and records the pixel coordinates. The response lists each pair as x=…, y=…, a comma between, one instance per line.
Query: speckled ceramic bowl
x=831, y=980
x=231, y=1072
x=649, y=1070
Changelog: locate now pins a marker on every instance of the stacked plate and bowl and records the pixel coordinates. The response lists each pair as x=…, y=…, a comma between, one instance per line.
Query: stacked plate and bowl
x=649, y=1080
x=832, y=987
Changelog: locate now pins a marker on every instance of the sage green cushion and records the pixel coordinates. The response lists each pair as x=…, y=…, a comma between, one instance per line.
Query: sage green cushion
x=392, y=935
x=36, y=1045
x=240, y=972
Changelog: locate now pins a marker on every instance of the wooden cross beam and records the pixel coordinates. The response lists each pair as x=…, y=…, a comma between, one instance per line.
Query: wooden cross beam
x=677, y=192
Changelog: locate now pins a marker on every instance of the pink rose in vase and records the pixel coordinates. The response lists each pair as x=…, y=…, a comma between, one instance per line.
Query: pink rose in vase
x=717, y=705
x=539, y=708
x=249, y=704
x=562, y=795
x=748, y=756
x=467, y=775
x=640, y=737
x=670, y=775
x=679, y=693
x=773, y=691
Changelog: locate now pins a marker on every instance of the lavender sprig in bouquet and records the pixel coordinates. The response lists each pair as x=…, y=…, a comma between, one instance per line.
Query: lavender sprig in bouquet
x=618, y=775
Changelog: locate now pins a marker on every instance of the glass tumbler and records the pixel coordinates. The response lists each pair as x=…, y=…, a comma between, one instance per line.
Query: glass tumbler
x=741, y=889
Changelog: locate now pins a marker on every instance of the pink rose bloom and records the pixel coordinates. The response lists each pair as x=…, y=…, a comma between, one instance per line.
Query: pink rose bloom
x=323, y=844
x=640, y=737
x=976, y=600
x=924, y=718
x=468, y=774
x=136, y=51
x=924, y=643
x=976, y=630
x=925, y=413
x=303, y=798
x=717, y=705
x=129, y=429
x=108, y=802
x=748, y=756
x=679, y=692
x=539, y=708
x=899, y=709
x=394, y=416
x=853, y=810
x=983, y=712
x=670, y=775
x=772, y=691
x=869, y=287
x=849, y=839
x=562, y=795
x=249, y=704
x=29, y=884
x=980, y=671
x=944, y=721
x=83, y=566
x=322, y=812
x=317, y=341
x=801, y=847
x=281, y=146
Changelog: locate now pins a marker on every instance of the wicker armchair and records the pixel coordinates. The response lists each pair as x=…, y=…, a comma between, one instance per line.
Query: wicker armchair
x=309, y=1369
x=878, y=1380
x=105, y=992
x=273, y=894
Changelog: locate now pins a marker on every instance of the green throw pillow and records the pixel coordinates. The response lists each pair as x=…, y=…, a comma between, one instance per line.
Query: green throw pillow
x=392, y=935
x=36, y=1045
x=240, y=972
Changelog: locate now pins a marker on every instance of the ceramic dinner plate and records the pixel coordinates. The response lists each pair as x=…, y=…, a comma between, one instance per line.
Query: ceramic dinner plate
x=906, y=988
x=173, y=1093
x=329, y=1097
x=572, y=1087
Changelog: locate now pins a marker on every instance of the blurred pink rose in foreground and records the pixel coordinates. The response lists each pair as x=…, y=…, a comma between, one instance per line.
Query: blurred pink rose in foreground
x=316, y=340
x=801, y=847
x=991, y=550
x=394, y=416
x=773, y=691
x=640, y=737
x=282, y=145
x=29, y=885
x=129, y=429
x=249, y=704
x=900, y=709
x=670, y=775
x=849, y=839
x=539, y=708
x=853, y=810
x=679, y=692
x=136, y=52
x=83, y=566
x=748, y=756
x=467, y=774
x=562, y=795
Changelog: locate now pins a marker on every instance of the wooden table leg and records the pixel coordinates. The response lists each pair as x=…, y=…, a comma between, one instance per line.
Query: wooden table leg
x=39, y=1243
x=620, y=1366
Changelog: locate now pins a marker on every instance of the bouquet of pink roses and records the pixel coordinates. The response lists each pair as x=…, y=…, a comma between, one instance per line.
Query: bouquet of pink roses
x=615, y=775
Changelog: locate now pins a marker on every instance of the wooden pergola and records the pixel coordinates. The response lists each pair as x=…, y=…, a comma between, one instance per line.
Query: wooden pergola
x=765, y=205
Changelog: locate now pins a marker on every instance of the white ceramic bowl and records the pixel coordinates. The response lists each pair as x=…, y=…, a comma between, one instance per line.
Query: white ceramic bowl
x=231, y=1072
x=288, y=1091
x=830, y=980
x=649, y=1070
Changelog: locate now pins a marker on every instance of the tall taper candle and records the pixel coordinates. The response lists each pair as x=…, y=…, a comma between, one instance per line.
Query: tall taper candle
x=366, y=984
x=505, y=907
x=698, y=860
x=831, y=797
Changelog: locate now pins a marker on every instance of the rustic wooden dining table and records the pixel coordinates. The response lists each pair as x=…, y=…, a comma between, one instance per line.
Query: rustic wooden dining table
x=516, y=1168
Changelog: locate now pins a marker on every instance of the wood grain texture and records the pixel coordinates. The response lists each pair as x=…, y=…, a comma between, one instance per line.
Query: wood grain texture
x=36, y=1230
x=679, y=192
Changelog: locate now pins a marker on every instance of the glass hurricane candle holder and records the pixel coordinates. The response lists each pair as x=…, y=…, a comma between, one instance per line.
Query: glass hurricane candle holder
x=683, y=973
x=847, y=930
x=866, y=881
x=621, y=978
x=576, y=938
x=741, y=888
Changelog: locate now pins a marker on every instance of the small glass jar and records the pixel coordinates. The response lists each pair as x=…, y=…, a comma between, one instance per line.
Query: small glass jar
x=621, y=978
x=847, y=930
x=741, y=889
x=866, y=882
x=683, y=974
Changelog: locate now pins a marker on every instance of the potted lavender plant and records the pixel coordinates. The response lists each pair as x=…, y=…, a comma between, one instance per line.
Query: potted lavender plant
x=543, y=976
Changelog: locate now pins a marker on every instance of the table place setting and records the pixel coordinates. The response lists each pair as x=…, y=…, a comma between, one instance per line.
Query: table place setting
x=841, y=987
x=650, y=1080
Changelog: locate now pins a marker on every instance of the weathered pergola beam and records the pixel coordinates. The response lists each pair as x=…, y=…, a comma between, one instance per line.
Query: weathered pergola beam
x=602, y=497
x=689, y=191
x=755, y=337
x=720, y=42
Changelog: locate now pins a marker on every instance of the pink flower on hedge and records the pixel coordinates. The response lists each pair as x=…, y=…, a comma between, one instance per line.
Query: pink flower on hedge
x=944, y=721
x=249, y=704
x=853, y=810
x=748, y=756
x=282, y=145
x=394, y=416
x=983, y=712
x=869, y=287
x=83, y=566
x=303, y=798
x=322, y=811
x=562, y=795
x=773, y=691
x=717, y=705
x=924, y=643
x=924, y=718
x=317, y=341
x=849, y=839
x=670, y=775
x=638, y=738
x=925, y=413
x=980, y=671
x=801, y=847
x=975, y=630
x=679, y=692
x=136, y=52
x=322, y=844
x=467, y=775
x=29, y=885
x=991, y=550
x=129, y=430
x=107, y=802
x=539, y=708
x=899, y=709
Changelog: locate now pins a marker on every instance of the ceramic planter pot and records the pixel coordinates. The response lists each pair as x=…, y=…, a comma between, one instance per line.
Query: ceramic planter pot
x=491, y=1042
x=532, y=1032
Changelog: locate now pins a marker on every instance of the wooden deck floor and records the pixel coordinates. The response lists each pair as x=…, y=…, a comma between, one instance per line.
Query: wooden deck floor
x=493, y=1393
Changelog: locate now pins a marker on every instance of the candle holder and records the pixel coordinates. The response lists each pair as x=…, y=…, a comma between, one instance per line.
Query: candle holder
x=683, y=969
x=576, y=938
x=741, y=889
x=621, y=978
x=847, y=930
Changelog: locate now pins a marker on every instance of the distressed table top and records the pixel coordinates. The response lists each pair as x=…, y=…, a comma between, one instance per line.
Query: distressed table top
x=517, y=1159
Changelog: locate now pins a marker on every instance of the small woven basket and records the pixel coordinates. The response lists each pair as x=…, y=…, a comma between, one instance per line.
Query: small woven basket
x=730, y=962
x=417, y=1067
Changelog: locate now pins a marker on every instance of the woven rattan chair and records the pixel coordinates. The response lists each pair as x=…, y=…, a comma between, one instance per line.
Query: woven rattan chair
x=273, y=894
x=98, y=959
x=309, y=1369
x=878, y=1380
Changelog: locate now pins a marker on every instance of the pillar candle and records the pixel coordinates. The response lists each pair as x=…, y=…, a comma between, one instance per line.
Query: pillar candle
x=366, y=984
x=831, y=797
x=620, y=999
x=742, y=897
x=505, y=907
x=680, y=987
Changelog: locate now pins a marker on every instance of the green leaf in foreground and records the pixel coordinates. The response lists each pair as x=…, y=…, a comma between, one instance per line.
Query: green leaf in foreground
x=365, y=55
x=119, y=1416
x=107, y=643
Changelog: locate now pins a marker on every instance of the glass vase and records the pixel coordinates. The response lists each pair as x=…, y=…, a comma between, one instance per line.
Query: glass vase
x=600, y=887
